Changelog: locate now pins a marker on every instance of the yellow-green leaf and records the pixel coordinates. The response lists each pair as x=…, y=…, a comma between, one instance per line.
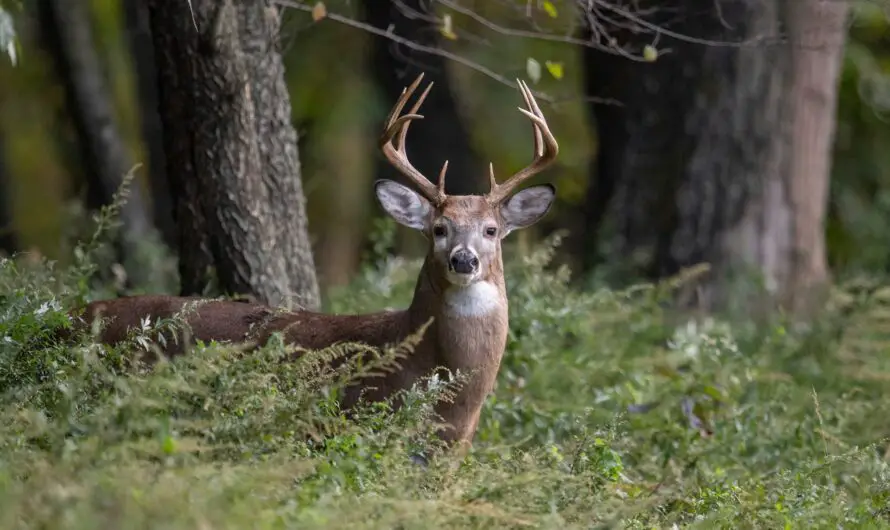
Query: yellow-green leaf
x=168, y=445
x=555, y=69
x=550, y=9
x=447, y=28
x=650, y=54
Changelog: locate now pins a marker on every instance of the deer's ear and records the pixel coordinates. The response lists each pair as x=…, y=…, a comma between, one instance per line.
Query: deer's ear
x=527, y=207
x=403, y=204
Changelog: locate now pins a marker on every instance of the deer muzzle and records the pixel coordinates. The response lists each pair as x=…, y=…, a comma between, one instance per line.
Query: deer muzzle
x=463, y=261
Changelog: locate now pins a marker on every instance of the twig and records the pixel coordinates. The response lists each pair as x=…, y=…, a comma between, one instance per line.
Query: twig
x=412, y=45
x=679, y=36
x=432, y=50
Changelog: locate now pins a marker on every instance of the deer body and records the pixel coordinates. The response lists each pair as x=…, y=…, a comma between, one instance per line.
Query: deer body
x=460, y=288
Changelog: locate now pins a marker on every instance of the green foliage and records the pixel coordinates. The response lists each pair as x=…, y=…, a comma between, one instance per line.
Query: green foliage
x=606, y=413
x=860, y=203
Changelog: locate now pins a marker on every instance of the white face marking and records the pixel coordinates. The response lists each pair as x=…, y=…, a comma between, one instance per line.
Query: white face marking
x=477, y=299
x=460, y=280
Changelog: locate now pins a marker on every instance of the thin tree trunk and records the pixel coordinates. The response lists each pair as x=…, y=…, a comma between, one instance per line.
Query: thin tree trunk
x=142, y=52
x=212, y=118
x=348, y=180
x=608, y=120
x=817, y=31
x=68, y=34
x=8, y=243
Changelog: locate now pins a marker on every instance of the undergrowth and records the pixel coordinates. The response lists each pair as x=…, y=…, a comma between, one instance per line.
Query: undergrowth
x=606, y=414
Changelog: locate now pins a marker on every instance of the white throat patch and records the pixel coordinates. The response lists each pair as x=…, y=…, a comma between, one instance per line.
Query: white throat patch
x=474, y=300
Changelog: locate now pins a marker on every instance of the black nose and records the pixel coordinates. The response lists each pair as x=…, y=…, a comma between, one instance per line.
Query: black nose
x=464, y=262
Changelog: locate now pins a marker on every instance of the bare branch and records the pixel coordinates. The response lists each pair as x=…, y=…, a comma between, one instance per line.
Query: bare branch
x=600, y=16
x=412, y=45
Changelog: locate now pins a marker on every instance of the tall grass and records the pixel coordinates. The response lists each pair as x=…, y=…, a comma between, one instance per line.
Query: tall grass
x=606, y=414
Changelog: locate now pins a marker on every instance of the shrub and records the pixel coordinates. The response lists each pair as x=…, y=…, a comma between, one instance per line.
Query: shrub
x=606, y=413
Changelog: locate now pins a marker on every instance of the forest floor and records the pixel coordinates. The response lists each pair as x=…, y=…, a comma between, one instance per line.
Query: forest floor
x=607, y=413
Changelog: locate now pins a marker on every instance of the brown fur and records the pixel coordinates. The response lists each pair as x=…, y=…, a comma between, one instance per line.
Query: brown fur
x=473, y=344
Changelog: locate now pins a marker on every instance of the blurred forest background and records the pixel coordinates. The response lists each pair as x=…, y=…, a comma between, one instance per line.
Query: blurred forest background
x=668, y=118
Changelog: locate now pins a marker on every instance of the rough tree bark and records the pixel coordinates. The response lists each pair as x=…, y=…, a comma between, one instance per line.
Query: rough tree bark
x=277, y=141
x=222, y=177
x=141, y=50
x=67, y=33
x=726, y=149
x=443, y=136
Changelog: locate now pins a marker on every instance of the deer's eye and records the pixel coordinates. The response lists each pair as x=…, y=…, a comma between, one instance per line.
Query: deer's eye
x=439, y=231
x=491, y=231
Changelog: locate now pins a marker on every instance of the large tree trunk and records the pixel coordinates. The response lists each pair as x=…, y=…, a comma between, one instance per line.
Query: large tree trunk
x=721, y=155
x=142, y=52
x=67, y=32
x=277, y=141
x=238, y=208
x=443, y=135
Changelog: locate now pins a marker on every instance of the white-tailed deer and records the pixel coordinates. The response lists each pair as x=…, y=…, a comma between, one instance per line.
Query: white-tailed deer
x=460, y=286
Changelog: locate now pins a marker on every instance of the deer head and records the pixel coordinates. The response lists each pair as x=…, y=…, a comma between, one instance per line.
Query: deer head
x=464, y=231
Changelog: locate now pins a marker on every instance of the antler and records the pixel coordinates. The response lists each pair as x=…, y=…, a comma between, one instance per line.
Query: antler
x=397, y=129
x=546, y=149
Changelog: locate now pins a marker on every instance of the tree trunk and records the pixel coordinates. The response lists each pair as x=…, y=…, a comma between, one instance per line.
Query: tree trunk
x=642, y=144
x=142, y=52
x=67, y=32
x=236, y=199
x=277, y=141
x=723, y=150
x=443, y=135
x=8, y=243
x=817, y=30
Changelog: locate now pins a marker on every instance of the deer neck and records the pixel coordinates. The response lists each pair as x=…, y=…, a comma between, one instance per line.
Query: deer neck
x=468, y=333
x=459, y=310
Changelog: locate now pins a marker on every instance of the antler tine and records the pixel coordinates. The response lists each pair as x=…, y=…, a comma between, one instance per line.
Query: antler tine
x=397, y=128
x=442, y=179
x=546, y=149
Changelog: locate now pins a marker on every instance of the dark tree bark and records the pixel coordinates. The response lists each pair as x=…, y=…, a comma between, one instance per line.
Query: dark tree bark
x=707, y=159
x=142, y=52
x=67, y=33
x=173, y=43
x=443, y=135
x=236, y=199
x=8, y=243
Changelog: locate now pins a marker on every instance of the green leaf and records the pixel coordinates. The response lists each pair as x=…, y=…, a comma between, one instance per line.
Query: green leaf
x=550, y=9
x=714, y=392
x=555, y=69
x=650, y=53
x=168, y=445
